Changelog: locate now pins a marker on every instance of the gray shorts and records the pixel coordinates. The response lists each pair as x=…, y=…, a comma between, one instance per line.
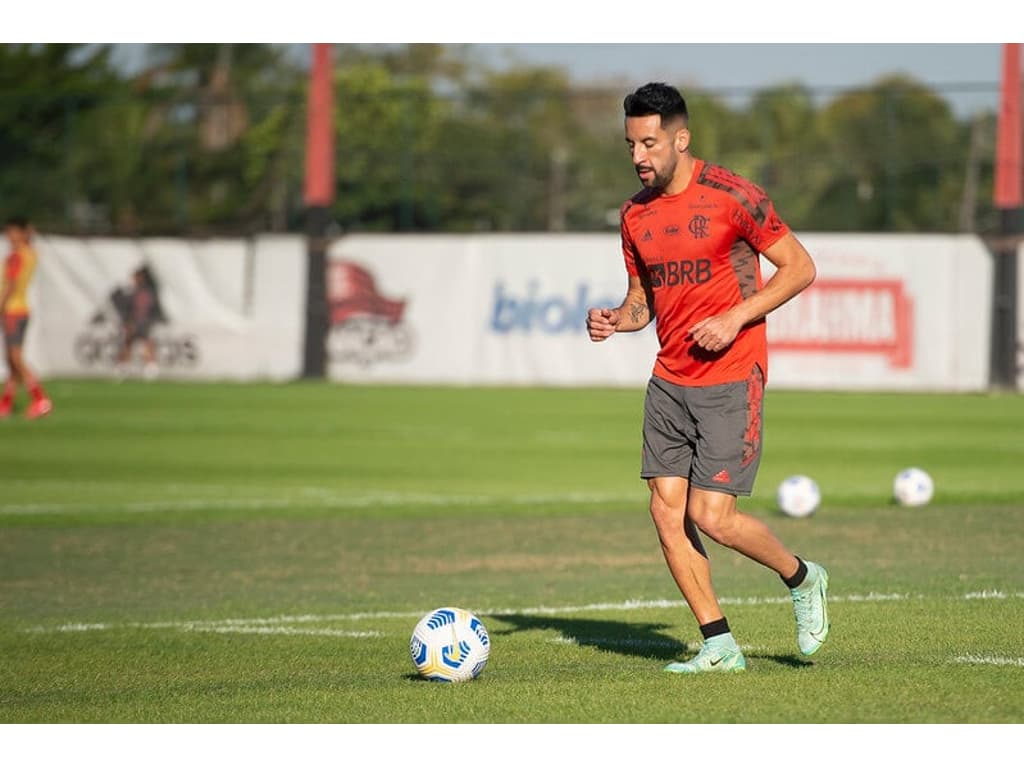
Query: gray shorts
x=709, y=435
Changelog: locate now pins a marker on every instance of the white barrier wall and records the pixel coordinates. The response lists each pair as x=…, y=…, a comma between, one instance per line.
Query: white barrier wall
x=887, y=312
x=489, y=309
x=235, y=308
x=892, y=312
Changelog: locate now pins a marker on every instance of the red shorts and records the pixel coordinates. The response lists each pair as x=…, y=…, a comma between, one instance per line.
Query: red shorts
x=14, y=329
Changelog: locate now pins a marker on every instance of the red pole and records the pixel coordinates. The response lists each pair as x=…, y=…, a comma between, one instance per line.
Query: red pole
x=1009, y=170
x=1008, y=200
x=319, y=130
x=319, y=197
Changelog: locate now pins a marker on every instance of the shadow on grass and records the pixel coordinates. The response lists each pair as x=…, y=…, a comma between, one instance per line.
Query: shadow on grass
x=629, y=639
x=786, y=660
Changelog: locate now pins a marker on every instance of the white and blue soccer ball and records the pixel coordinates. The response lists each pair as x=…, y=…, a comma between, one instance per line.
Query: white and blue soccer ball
x=798, y=496
x=913, y=487
x=450, y=645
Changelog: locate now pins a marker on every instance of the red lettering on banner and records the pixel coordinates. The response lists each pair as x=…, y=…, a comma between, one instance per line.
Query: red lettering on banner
x=852, y=316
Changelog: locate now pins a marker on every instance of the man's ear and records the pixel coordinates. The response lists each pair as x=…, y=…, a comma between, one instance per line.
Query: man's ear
x=682, y=140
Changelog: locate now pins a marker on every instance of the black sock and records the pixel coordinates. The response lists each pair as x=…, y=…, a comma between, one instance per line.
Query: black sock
x=713, y=628
x=797, y=578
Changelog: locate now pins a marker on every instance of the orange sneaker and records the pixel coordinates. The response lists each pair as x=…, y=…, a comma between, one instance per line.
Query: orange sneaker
x=39, y=408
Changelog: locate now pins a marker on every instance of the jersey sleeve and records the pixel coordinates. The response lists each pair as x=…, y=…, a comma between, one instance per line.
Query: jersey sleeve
x=758, y=223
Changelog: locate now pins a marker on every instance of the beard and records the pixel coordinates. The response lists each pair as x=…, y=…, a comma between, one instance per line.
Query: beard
x=658, y=179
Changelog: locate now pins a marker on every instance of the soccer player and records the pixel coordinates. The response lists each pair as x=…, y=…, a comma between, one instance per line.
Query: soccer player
x=18, y=269
x=691, y=240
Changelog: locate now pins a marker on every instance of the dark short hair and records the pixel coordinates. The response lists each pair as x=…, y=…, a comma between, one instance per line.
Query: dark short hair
x=21, y=222
x=655, y=99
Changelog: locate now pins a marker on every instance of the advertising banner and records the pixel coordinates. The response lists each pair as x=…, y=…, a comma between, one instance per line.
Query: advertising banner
x=887, y=312
x=487, y=309
x=900, y=312
x=214, y=309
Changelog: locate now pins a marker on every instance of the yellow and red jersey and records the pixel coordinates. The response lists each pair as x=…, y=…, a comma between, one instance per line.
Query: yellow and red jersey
x=18, y=269
x=698, y=250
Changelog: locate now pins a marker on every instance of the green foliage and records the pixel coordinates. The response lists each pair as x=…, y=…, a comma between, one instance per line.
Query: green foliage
x=209, y=138
x=386, y=128
x=45, y=92
x=787, y=152
x=897, y=160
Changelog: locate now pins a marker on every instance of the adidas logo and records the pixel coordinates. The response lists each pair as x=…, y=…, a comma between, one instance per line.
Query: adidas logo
x=722, y=477
x=647, y=236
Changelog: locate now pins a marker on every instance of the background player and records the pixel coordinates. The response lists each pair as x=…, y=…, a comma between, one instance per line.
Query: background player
x=18, y=270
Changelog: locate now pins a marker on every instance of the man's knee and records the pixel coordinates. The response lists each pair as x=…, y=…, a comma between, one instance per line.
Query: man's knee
x=668, y=505
x=714, y=514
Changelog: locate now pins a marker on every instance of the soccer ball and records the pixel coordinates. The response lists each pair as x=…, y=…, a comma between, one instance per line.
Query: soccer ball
x=913, y=487
x=450, y=644
x=798, y=496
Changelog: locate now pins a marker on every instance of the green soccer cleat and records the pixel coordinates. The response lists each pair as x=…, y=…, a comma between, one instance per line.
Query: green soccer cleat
x=711, y=658
x=810, y=607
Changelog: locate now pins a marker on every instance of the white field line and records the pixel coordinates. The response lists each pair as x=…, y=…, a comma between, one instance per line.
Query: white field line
x=991, y=594
x=249, y=630
x=999, y=661
x=254, y=625
x=227, y=626
x=318, y=499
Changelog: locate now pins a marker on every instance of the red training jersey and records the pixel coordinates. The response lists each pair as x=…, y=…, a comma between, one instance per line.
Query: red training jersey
x=698, y=252
x=17, y=274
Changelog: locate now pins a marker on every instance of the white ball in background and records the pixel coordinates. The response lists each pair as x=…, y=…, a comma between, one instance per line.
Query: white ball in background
x=913, y=487
x=798, y=496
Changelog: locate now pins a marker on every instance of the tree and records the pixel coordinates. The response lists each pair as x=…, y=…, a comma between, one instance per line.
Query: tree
x=210, y=139
x=788, y=154
x=896, y=160
x=227, y=124
x=388, y=127
x=48, y=90
x=520, y=133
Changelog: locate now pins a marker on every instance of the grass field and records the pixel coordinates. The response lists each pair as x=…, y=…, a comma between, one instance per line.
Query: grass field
x=199, y=553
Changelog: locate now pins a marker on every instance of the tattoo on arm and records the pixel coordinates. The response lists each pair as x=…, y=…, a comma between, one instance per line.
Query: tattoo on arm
x=637, y=311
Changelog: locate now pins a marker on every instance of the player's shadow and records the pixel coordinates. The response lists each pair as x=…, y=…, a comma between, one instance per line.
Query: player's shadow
x=627, y=638
x=785, y=659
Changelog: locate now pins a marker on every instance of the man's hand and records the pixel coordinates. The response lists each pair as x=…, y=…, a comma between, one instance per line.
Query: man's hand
x=715, y=333
x=602, y=323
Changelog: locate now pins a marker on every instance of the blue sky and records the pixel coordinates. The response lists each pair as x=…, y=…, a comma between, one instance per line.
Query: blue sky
x=968, y=74
x=743, y=44
x=736, y=65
